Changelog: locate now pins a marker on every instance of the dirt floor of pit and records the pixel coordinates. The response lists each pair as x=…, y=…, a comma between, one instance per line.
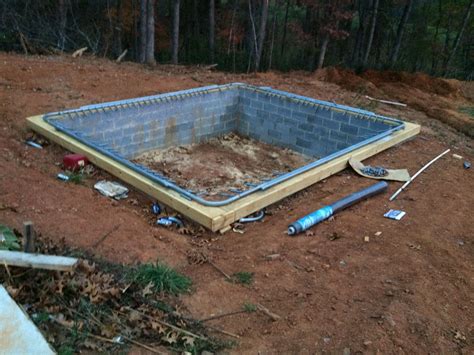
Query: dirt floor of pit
x=408, y=290
x=223, y=165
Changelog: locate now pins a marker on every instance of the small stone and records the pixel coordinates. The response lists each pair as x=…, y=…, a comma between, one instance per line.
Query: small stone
x=346, y=351
x=326, y=340
x=390, y=320
x=378, y=234
x=367, y=343
x=366, y=239
x=272, y=256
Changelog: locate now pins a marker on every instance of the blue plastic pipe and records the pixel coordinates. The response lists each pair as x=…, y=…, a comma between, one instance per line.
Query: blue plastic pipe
x=327, y=211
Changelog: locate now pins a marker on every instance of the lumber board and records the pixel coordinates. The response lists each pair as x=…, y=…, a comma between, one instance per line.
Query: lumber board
x=37, y=261
x=219, y=218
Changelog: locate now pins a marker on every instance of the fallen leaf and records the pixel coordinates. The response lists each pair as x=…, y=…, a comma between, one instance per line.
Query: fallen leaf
x=170, y=338
x=148, y=289
x=188, y=340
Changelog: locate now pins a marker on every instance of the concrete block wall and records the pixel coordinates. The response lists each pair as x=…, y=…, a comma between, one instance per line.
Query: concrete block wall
x=183, y=119
x=308, y=128
x=192, y=116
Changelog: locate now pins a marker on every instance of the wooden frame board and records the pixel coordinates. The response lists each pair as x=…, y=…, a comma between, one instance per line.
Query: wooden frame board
x=219, y=218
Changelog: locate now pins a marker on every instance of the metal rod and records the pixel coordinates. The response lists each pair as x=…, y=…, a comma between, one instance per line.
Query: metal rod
x=394, y=196
x=327, y=211
x=254, y=218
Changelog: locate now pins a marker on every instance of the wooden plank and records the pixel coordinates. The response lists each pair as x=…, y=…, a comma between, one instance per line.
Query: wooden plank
x=197, y=212
x=37, y=261
x=259, y=200
x=18, y=333
x=218, y=218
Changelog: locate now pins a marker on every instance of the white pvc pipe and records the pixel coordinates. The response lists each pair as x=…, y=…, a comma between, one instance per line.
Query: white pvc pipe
x=394, y=196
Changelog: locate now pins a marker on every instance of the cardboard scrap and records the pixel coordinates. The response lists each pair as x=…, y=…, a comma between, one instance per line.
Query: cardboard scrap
x=393, y=174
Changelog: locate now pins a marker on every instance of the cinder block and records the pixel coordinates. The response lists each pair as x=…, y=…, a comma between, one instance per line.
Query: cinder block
x=332, y=125
x=306, y=127
x=303, y=143
x=338, y=136
x=274, y=134
x=346, y=128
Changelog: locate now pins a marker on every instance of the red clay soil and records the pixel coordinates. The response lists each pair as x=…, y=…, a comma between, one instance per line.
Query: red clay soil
x=407, y=290
x=216, y=167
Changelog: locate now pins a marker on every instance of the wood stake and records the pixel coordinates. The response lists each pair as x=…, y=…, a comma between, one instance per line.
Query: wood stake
x=29, y=237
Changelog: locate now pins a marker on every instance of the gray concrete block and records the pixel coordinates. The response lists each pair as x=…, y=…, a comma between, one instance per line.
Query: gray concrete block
x=349, y=129
x=303, y=143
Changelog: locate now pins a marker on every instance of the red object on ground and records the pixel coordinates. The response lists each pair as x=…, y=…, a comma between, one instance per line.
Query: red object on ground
x=75, y=161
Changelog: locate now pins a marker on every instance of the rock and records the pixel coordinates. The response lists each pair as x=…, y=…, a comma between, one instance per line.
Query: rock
x=367, y=343
x=272, y=256
x=378, y=234
x=366, y=239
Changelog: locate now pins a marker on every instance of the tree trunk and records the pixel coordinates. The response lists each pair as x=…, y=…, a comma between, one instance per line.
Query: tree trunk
x=355, y=58
x=401, y=28
x=212, y=23
x=322, y=52
x=285, y=25
x=434, y=52
x=371, y=33
x=134, y=32
x=254, y=43
x=143, y=31
x=62, y=24
x=150, y=33
x=458, y=38
x=118, y=28
x=261, y=34
x=175, y=35
x=273, y=35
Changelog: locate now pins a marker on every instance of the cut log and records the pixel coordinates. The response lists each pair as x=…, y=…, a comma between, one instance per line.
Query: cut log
x=37, y=261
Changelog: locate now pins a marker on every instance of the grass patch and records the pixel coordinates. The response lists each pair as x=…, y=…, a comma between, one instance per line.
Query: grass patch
x=162, y=277
x=467, y=110
x=249, y=307
x=243, y=277
x=76, y=178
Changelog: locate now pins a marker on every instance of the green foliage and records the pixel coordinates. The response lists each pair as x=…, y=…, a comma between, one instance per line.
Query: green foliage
x=243, y=277
x=66, y=350
x=467, y=110
x=249, y=307
x=8, y=239
x=40, y=317
x=75, y=178
x=162, y=277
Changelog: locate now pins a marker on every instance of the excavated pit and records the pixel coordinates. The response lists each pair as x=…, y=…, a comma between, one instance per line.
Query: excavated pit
x=222, y=166
x=216, y=142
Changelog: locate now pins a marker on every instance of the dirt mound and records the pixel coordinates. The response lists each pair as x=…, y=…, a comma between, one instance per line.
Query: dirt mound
x=422, y=81
x=418, y=90
x=347, y=79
